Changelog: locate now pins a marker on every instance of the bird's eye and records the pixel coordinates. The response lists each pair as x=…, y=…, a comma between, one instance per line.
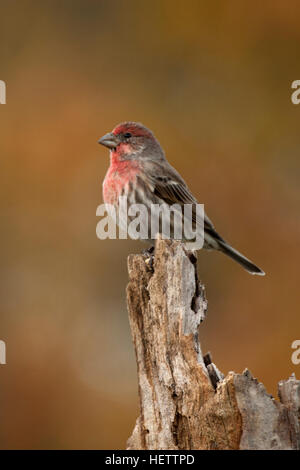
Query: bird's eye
x=127, y=135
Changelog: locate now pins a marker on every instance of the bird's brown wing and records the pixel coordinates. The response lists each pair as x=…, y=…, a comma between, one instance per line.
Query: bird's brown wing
x=172, y=189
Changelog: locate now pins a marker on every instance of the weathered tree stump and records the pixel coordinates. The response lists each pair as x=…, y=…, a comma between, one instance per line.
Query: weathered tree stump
x=185, y=402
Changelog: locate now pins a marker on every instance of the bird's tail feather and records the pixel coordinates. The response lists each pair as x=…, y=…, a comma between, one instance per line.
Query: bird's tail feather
x=239, y=258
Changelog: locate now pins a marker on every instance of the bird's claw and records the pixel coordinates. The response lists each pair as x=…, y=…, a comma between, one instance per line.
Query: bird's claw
x=150, y=262
x=149, y=253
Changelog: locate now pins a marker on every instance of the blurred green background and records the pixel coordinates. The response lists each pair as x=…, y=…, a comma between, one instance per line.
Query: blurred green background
x=213, y=81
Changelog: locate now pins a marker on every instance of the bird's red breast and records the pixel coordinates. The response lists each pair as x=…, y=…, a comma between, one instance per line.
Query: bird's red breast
x=119, y=175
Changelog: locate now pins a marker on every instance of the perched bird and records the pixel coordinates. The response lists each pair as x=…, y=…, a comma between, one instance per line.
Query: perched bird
x=140, y=171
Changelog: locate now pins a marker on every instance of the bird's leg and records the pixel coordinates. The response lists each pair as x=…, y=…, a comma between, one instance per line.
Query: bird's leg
x=149, y=253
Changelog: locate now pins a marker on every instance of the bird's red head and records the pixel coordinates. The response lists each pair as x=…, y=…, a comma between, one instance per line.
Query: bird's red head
x=132, y=129
x=131, y=140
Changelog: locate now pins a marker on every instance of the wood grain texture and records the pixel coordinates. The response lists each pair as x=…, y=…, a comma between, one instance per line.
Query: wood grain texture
x=185, y=401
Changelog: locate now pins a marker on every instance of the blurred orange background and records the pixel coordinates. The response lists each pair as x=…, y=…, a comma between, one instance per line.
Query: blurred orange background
x=213, y=81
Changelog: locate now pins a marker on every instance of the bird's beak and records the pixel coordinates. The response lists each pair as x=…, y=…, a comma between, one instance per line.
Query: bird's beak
x=108, y=140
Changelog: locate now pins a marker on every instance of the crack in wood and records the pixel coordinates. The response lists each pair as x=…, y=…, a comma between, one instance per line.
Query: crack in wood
x=185, y=401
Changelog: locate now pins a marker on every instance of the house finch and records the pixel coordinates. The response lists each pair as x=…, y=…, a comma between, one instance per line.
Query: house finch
x=140, y=172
